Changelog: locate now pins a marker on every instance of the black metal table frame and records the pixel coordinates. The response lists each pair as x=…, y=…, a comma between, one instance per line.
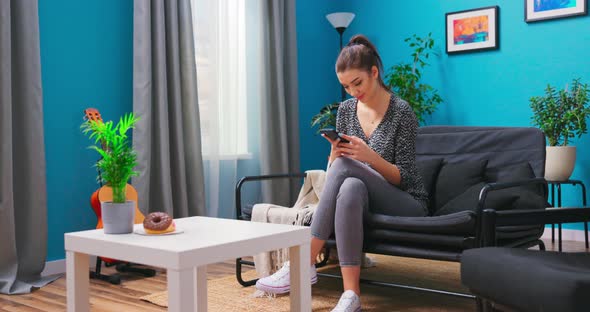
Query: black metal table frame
x=557, y=185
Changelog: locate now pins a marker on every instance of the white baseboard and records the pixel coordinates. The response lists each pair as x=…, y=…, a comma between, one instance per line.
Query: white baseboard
x=59, y=266
x=566, y=234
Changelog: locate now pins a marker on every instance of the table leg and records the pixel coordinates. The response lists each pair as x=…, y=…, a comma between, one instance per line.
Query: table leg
x=201, y=284
x=300, y=278
x=77, y=280
x=183, y=295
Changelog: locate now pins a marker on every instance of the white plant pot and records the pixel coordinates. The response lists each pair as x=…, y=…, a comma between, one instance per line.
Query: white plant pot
x=559, y=162
x=117, y=218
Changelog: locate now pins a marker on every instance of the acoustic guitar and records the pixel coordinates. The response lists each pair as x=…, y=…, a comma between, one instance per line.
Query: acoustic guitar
x=105, y=193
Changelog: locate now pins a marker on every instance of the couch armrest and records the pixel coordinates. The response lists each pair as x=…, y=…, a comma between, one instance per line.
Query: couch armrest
x=491, y=219
x=238, y=192
x=490, y=187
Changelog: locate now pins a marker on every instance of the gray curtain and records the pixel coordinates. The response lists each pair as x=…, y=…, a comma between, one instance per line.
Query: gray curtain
x=23, y=193
x=167, y=138
x=280, y=104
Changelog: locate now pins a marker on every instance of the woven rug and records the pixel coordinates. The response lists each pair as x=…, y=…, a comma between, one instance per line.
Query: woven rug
x=225, y=294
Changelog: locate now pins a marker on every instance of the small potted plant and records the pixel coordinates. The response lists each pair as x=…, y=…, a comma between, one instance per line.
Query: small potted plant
x=561, y=115
x=326, y=118
x=116, y=167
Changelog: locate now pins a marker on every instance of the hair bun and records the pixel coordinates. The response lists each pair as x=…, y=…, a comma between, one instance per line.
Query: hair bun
x=360, y=40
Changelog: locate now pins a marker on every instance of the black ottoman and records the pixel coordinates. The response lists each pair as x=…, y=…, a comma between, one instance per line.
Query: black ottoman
x=528, y=280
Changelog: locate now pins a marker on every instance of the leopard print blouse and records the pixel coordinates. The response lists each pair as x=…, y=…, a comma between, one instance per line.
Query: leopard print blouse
x=394, y=139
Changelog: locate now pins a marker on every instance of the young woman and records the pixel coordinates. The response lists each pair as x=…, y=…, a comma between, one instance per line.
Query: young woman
x=375, y=171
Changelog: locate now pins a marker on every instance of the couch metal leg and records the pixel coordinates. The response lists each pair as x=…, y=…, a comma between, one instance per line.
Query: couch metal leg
x=408, y=287
x=483, y=305
x=479, y=304
x=541, y=245
x=239, y=263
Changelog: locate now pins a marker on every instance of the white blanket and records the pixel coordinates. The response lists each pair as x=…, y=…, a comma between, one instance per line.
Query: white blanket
x=300, y=214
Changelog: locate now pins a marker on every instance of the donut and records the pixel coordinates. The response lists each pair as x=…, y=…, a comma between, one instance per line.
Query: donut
x=158, y=223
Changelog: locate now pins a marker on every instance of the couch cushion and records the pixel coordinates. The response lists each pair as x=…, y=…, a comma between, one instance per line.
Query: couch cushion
x=529, y=280
x=456, y=178
x=441, y=241
x=501, y=146
x=457, y=223
x=521, y=197
x=429, y=169
x=512, y=198
x=514, y=172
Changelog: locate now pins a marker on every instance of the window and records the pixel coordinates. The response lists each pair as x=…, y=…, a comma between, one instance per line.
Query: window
x=220, y=46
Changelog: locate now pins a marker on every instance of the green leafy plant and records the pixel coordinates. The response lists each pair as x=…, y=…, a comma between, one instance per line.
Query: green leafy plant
x=404, y=78
x=118, y=157
x=326, y=118
x=561, y=114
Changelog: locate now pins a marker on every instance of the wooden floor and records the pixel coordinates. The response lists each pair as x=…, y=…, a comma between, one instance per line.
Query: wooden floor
x=124, y=297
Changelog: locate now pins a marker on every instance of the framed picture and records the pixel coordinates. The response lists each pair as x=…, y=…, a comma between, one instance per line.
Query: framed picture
x=472, y=30
x=538, y=10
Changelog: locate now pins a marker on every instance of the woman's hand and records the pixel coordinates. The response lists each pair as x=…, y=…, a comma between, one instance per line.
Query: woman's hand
x=357, y=149
x=335, y=151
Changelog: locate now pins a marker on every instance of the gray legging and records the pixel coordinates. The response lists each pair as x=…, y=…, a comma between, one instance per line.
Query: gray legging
x=351, y=188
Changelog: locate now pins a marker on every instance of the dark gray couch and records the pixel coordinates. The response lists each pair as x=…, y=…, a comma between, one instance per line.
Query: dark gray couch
x=465, y=170
x=444, y=237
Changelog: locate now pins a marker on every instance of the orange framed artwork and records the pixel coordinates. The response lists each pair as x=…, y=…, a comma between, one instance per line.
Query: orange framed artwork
x=472, y=30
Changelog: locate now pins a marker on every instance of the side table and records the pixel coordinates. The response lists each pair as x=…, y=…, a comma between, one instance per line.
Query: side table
x=556, y=185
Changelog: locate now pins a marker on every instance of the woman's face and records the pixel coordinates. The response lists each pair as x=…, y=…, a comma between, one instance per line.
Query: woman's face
x=360, y=84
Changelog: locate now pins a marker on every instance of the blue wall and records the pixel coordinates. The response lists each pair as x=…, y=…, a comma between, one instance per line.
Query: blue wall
x=486, y=88
x=86, y=57
x=318, y=45
x=86, y=54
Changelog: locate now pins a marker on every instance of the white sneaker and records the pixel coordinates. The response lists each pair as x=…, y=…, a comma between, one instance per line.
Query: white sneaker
x=349, y=302
x=280, y=281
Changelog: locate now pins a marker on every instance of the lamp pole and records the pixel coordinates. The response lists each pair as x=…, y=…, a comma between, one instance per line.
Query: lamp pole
x=342, y=91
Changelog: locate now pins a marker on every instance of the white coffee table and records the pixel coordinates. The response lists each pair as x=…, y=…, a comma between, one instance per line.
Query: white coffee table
x=186, y=255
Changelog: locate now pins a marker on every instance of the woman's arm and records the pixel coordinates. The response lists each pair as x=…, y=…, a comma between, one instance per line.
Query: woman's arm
x=359, y=150
x=405, y=143
x=389, y=171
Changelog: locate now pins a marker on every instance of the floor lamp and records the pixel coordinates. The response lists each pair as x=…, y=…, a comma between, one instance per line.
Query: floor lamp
x=340, y=21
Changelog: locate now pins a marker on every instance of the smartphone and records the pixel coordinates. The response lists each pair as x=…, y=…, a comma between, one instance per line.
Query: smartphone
x=333, y=135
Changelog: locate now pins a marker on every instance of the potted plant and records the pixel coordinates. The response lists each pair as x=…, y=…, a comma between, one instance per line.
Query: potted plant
x=561, y=115
x=116, y=167
x=326, y=118
x=404, y=78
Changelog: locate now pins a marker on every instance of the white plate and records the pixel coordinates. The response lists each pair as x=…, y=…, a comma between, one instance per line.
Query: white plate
x=141, y=231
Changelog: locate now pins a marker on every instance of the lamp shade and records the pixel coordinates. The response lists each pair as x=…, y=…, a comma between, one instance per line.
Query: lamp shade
x=340, y=19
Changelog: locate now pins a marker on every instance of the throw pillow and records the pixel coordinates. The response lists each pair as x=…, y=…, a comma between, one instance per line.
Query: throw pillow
x=456, y=178
x=530, y=200
x=516, y=172
x=468, y=200
x=428, y=170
